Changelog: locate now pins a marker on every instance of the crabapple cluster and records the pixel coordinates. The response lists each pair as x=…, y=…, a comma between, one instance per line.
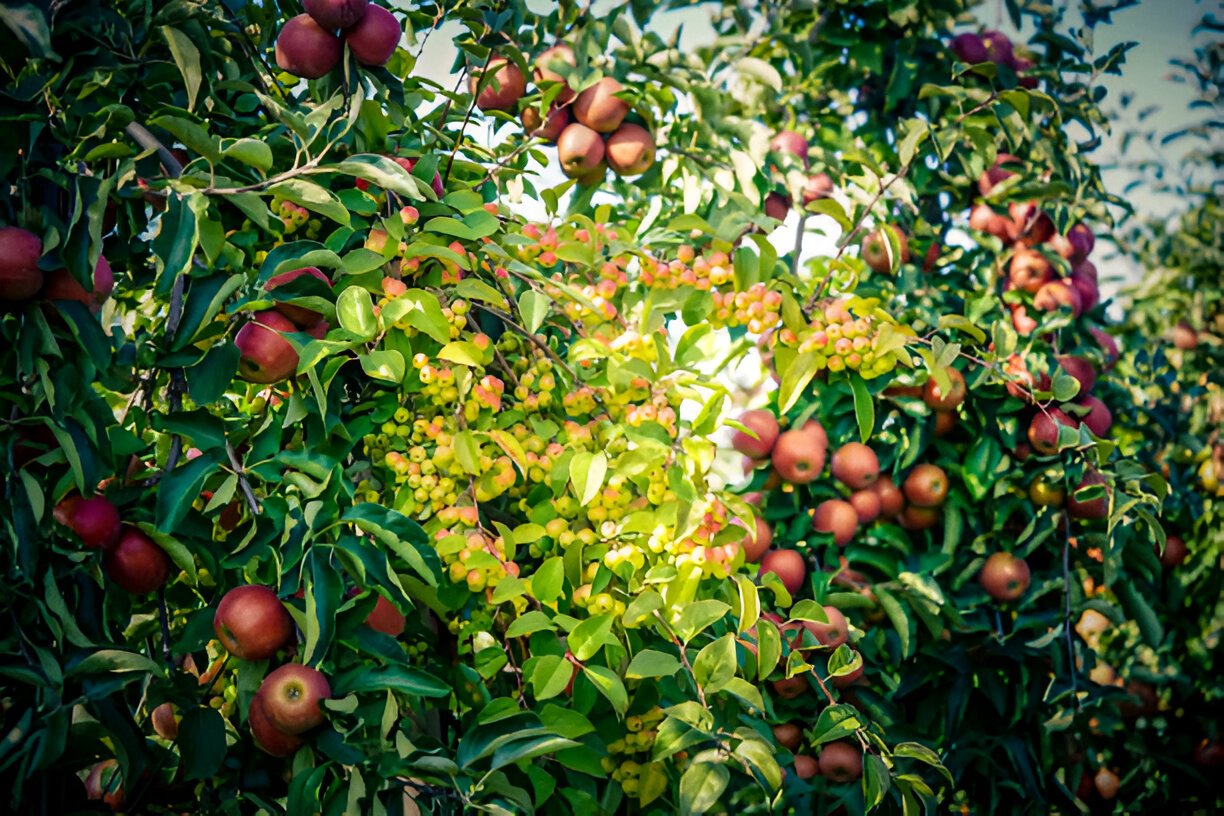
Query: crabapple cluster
x=294, y=217
x=704, y=272
x=549, y=244
x=628, y=754
x=758, y=308
x=841, y=340
x=473, y=557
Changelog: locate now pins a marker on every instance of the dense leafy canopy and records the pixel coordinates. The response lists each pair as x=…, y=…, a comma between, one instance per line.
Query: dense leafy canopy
x=476, y=456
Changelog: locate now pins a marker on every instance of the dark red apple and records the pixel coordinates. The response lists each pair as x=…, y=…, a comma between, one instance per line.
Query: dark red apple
x=892, y=500
x=334, y=14
x=1004, y=576
x=1098, y=419
x=307, y=50
x=1029, y=270
x=1089, y=509
x=996, y=173
x=876, y=253
x=841, y=762
x=547, y=129
x=135, y=563
x=20, y=277
x=95, y=520
x=267, y=736
x=1080, y=369
x=1043, y=430
x=62, y=286
x=926, y=486
x=969, y=48
x=777, y=205
x=252, y=623
x=373, y=39
x=1057, y=295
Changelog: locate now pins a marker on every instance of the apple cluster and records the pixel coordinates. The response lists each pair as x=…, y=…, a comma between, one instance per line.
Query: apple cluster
x=311, y=45
x=589, y=127
x=266, y=355
x=1046, y=271
x=22, y=279
x=131, y=559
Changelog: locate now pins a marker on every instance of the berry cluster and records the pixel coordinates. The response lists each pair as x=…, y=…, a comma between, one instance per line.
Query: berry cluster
x=629, y=753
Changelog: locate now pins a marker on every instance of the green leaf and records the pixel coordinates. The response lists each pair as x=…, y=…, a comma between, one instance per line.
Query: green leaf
x=355, y=312
x=193, y=137
x=750, y=604
x=652, y=782
x=795, y=379
x=702, y=786
x=529, y=748
x=763, y=757
x=898, y=617
x=463, y=353
x=253, y=152
x=528, y=623
x=698, y=615
x=201, y=743
x=549, y=675
x=1065, y=387
x=313, y=197
x=187, y=58
x=209, y=379
x=590, y=636
x=864, y=406
x=108, y=661
x=834, y=723
x=422, y=311
x=587, y=471
x=534, y=307
x=404, y=679
x=380, y=171
x=769, y=648
x=650, y=663
x=875, y=781
x=178, y=489
x=385, y=364
x=547, y=583
x=609, y=685
x=715, y=663
x=29, y=24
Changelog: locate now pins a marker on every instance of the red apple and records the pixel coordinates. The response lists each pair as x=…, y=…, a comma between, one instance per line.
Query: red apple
x=547, y=129
x=788, y=565
x=1098, y=419
x=1089, y=509
x=558, y=56
x=777, y=205
x=305, y=49
x=599, y=108
x=333, y=14
x=94, y=520
x=816, y=187
x=855, y=465
x=799, y=455
x=996, y=173
x=867, y=504
x=969, y=48
x=267, y=357
x=20, y=277
x=1043, y=430
x=1056, y=295
x=790, y=142
x=841, y=762
x=580, y=150
x=831, y=634
x=135, y=563
x=837, y=517
x=385, y=618
x=1004, y=576
x=892, y=500
x=298, y=314
x=502, y=90
x=62, y=286
x=267, y=736
x=757, y=541
x=252, y=623
x=630, y=150
x=764, y=427
x=876, y=253
x=1082, y=370
x=1029, y=270
x=373, y=39
x=292, y=695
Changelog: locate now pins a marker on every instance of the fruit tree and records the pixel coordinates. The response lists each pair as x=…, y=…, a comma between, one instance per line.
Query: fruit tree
x=355, y=462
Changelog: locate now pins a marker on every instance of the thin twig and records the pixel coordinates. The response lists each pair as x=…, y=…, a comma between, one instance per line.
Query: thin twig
x=251, y=501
